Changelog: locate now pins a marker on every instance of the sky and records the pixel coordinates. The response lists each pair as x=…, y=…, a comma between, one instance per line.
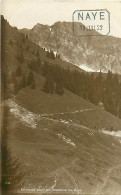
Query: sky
x=27, y=13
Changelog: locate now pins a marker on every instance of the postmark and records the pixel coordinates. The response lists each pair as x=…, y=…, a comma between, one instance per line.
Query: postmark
x=91, y=22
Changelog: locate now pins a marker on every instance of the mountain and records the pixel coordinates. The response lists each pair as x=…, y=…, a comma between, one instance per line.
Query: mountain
x=91, y=53
x=51, y=143
x=13, y=42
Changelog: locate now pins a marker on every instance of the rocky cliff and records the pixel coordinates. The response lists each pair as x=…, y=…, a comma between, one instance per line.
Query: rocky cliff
x=92, y=53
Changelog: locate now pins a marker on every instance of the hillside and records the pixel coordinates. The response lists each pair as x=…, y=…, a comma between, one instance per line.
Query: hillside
x=74, y=144
x=85, y=51
x=12, y=44
x=69, y=104
x=52, y=143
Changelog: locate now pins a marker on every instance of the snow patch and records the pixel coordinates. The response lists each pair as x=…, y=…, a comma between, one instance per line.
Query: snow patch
x=26, y=117
x=83, y=66
x=46, y=49
x=113, y=133
x=64, y=121
x=55, y=53
x=86, y=68
x=67, y=140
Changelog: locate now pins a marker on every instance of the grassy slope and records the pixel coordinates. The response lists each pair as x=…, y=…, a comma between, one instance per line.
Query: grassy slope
x=47, y=160
x=46, y=157
x=39, y=102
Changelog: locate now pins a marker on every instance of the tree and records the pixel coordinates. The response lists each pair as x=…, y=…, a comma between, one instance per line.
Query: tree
x=33, y=84
x=99, y=87
x=27, y=47
x=92, y=93
x=49, y=85
x=108, y=94
x=37, y=53
x=33, y=52
x=52, y=56
x=15, y=87
x=48, y=54
x=59, y=88
x=45, y=69
x=11, y=42
x=20, y=57
x=26, y=36
x=38, y=65
x=35, y=65
x=23, y=40
x=23, y=84
x=18, y=71
x=31, y=80
x=57, y=55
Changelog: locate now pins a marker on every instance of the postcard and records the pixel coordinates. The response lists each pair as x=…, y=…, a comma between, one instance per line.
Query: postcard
x=60, y=97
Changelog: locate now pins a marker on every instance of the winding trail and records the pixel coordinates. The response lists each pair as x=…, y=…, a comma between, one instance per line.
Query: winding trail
x=55, y=182
x=99, y=189
x=72, y=112
x=61, y=169
x=47, y=116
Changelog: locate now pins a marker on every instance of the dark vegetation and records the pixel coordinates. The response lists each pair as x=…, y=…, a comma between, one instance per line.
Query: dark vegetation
x=11, y=177
x=97, y=89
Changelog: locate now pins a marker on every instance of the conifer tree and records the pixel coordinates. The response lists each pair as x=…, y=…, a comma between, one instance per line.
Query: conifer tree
x=49, y=85
x=11, y=42
x=59, y=88
x=33, y=84
x=26, y=36
x=37, y=53
x=52, y=56
x=15, y=87
x=20, y=57
x=23, y=85
x=31, y=80
x=18, y=71
x=99, y=87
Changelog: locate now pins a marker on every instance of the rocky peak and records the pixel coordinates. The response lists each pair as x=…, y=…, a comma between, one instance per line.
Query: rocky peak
x=94, y=53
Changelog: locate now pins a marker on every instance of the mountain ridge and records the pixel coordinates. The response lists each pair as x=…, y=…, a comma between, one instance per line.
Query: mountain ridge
x=85, y=51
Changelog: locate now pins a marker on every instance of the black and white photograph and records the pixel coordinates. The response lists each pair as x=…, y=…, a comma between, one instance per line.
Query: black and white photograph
x=60, y=97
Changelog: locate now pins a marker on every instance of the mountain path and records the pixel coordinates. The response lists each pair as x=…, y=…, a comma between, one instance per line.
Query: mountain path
x=99, y=189
x=66, y=122
x=72, y=112
x=56, y=172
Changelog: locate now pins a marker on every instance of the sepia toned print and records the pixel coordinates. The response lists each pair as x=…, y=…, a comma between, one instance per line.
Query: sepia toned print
x=61, y=97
